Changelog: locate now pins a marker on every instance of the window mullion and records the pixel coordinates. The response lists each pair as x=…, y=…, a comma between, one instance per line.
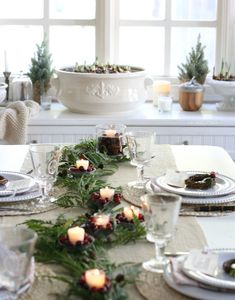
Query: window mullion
x=167, y=39
x=46, y=27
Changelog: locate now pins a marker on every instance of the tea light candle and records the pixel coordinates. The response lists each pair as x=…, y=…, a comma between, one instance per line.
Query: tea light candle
x=102, y=220
x=110, y=132
x=130, y=212
x=107, y=193
x=95, y=278
x=82, y=163
x=76, y=234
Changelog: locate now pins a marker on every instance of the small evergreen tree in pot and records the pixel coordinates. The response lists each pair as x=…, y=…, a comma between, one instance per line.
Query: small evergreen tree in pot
x=41, y=70
x=196, y=65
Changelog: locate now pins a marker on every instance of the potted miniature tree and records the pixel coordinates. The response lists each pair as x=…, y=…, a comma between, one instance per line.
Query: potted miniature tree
x=41, y=71
x=196, y=65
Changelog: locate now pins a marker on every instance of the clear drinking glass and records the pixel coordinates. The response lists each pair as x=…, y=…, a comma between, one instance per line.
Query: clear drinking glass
x=45, y=160
x=16, y=250
x=139, y=145
x=164, y=210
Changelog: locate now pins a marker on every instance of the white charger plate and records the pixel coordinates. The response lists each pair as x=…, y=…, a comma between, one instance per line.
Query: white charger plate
x=224, y=185
x=196, y=200
x=13, y=176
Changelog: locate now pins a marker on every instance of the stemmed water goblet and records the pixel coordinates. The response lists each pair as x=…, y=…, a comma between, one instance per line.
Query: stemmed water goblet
x=45, y=160
x=16, y=250
x=139, y=145
x=164, y=211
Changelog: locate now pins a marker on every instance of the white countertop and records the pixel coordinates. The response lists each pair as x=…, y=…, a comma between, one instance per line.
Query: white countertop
x=147, y=115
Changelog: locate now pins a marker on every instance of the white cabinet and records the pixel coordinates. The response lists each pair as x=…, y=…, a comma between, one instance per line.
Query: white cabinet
x=205, y=127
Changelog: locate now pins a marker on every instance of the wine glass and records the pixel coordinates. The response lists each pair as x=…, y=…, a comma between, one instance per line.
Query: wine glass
x=45, y=160
x=16, y=250
x=139, y=145
x=164, y=210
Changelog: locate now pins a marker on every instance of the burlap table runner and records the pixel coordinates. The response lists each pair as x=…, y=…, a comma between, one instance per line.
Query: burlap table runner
x=188, y=236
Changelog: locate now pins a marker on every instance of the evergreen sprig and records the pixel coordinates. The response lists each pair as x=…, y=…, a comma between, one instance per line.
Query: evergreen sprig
x=75, y=263
x=196, y=65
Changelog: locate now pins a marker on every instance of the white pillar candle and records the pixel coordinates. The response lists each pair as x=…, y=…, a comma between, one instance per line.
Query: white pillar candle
x=107, y=193
x=95, y=278
x=130, y=212
x=6, y=61
x=102, y=220
x=110, y=132
x=82, y=163
x=161, y=88
x=76, y=234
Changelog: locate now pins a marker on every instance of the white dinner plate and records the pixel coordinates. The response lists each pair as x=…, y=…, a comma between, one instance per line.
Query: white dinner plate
x=29, y=182
x=224, y=185
x=196, y=200
x=29, y=195
x=221, y=280
x=195, y=292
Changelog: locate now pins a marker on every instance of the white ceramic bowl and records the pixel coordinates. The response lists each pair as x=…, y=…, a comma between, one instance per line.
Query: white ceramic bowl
x=3, y=91
x=226, y=89
x=101, y=93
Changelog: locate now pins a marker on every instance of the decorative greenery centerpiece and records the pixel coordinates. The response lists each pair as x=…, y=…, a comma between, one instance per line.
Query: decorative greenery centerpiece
x=41, y=70
x=67, y=242
x=196, y=65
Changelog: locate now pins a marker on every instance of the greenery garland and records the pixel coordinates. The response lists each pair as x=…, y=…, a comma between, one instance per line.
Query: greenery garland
x=75, y=263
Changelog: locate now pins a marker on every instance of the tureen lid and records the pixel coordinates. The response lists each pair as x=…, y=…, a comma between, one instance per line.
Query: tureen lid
x=191, y=86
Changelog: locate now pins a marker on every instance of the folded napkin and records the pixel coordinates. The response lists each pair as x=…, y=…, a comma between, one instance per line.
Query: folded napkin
x=177, y=273
x=198, y=261
x=14, y=121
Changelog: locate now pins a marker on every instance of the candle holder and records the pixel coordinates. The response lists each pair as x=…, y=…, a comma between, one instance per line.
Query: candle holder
x=80, y=169
x=110, y=139
x=97, y=229
x=123, y=220
x=7, y=81
x=96, y=202
x=93, y=290
x=64, y=242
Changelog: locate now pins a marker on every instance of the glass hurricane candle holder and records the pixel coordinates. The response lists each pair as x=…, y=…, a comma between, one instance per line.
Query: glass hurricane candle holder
x=110, y=139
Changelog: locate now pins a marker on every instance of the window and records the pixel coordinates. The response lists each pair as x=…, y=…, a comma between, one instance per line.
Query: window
x=155, y=34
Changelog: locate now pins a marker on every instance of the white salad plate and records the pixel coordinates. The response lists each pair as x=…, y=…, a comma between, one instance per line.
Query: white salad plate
x=224, y=185
x=24, y=183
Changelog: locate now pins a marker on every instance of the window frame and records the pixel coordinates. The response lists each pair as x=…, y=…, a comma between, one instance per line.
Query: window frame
x=107, y=25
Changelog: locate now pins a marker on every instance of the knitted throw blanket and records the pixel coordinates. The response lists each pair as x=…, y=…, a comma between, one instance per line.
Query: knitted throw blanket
x=14, y=121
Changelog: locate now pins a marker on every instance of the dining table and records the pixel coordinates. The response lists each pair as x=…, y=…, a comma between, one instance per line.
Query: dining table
x=194, y=229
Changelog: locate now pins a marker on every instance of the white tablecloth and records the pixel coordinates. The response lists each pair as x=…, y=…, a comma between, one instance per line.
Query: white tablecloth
x=219, y=231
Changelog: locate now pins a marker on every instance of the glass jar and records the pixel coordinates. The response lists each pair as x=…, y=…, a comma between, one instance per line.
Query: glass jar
x=21, y=88
x=110, y=139
x=191, y=95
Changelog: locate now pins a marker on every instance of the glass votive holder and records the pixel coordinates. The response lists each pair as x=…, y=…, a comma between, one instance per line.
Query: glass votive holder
x=164, y=104
x=110, y=138
x=45, y=102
